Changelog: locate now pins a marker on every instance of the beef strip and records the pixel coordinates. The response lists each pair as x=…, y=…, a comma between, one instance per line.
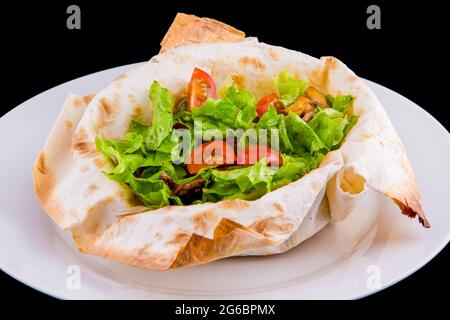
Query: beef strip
x=188, y=192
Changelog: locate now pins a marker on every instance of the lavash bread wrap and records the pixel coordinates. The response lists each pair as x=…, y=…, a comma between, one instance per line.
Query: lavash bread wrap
x=106, y=219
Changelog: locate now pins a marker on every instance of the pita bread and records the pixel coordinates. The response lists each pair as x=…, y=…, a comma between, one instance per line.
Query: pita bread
x=189, y=29
x=105, y=218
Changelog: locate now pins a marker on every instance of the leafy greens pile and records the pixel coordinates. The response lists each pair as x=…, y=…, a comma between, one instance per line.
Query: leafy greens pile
x=148, y=151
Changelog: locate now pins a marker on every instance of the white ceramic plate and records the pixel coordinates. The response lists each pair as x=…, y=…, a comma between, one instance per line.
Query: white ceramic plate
x=373, y=248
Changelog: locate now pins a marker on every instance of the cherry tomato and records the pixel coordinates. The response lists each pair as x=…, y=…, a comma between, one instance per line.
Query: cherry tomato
x=200, y=88
x=211, y=153
x=252, y=154
x=263, y=104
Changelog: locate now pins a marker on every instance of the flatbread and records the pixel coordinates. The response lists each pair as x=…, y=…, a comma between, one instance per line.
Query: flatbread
x=107, y=220
x=189, y=29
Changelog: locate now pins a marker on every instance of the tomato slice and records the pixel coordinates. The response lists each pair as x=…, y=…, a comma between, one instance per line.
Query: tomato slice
x=252, y=154
x=263, y=104
x=211, y=153
x=200, y=88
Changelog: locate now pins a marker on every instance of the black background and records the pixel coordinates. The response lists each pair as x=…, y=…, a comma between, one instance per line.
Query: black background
x=407, y=55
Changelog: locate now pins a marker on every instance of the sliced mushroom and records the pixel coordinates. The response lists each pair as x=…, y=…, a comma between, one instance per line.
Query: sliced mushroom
x=317, y=98
x=279, y=106
x=301, y=106
x=308, y=116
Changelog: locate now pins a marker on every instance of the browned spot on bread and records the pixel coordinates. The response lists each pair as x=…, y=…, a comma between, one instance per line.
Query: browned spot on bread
x=88, y=98
x=320, y=77
x=331, y=62
x=366, y=136
x=205, y=220
x=69, y=124
x=273, y=54
x=317, y=77
x=80, y=142
x=278, y=207
x=251, y=61
x=132, y=98
x=91, y=188
x=168, y=219
x=180, y=239
x=234, y=204
x=137, y=111
x=84, y=168
x=265, y=87
x=44, y=183
x=77, y=102
x=40, y=165
x=238, y=80
x=142, y=251
x=99, y=162
x=107, y=110
x=120, y=77
x=145, y=259
x=273, y=226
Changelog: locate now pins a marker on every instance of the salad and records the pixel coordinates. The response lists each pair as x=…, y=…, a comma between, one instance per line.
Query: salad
x=213, y=144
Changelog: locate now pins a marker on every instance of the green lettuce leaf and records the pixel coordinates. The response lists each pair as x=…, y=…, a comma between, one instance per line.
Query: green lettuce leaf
x=301, y=135
x=222, y=112
x=162, y=121
x=329, y=125
x=272, y=120
x=217, y=116
x=241, y=182
x=153, y=192
x=269, y=119
x=340, y=103
x=314, y=159
x=289, y=88
x=120, y=155
x=293, y=168
x=351, y=123
x=241, y=98
x=247, y=177
x=223, y=88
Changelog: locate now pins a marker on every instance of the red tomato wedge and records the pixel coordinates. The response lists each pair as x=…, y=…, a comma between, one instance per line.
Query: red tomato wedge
x=211, y=153
x=200, y=88
x=263, y=104
x=252, y=154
